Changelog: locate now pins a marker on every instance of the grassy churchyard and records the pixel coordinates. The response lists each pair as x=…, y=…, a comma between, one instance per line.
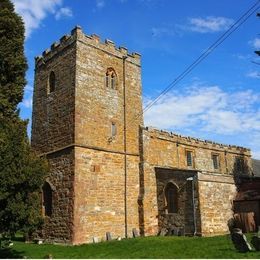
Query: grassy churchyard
x=148, y=247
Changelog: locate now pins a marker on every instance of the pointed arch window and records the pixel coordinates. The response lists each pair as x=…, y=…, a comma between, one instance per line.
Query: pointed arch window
x=111, y=79
x=171, y=197
x=47, y=199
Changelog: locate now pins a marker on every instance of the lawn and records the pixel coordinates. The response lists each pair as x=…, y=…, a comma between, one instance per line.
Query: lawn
x=149, y=247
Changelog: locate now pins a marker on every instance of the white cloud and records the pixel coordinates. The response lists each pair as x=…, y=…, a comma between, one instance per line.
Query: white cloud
x=253, y=74
x=100, y=4
x=34, y=11
x=63, y=12
x=28, y=89
x=255, y=43
x=27, y=102
x=209, y=24
x=208, y=108
x=159, y=31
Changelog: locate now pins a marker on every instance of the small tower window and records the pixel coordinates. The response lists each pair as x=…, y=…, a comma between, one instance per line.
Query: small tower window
x=110, y=78
x=189, y=158
x=107, y=80
x=215, y=161
x=171, y=197
x=47, y=199
x=113, y=129
x=52, y=82
x=113, y=81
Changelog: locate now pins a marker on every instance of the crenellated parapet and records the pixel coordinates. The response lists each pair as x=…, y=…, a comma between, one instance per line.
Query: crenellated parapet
x=196, y=142
x=93, y=40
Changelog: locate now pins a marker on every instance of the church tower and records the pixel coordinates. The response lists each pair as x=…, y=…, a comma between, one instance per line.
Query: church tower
x=87, y=109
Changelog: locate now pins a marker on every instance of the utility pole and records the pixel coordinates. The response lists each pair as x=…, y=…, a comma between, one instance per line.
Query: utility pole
x=257, y=52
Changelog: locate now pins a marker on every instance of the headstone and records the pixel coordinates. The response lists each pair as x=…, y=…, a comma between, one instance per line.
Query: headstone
x=175, y=231
x=170, y=231
x=108, y=236
x=163, y=232
x=239, y=240
x=135, y=233
x=256, y=242
x=181, y=231
x=95, y=240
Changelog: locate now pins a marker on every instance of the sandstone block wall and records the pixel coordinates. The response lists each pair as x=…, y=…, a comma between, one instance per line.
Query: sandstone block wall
x=54, y=113
x=165, y=150
x=97, y=105
x=59, y=226
x=216, y=195
x=99, y=199
x=183, y=218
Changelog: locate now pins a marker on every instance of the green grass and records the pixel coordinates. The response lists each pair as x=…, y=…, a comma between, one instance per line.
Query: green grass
x=149, y=247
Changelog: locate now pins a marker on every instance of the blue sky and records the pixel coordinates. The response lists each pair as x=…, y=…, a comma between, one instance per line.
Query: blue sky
x=219, y=100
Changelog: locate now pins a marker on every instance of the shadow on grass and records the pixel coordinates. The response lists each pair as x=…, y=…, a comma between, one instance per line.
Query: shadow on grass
x=10, y=253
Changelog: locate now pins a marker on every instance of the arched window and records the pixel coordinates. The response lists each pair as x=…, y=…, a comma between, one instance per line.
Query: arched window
x=47, y=199
x=171, y=197
x=52, y=82
x=110, y=78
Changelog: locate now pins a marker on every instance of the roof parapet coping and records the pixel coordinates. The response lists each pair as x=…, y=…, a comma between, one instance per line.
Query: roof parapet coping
x=123, y=50
x=95, y=37
x=196, y=140
x=76, y=33
x=55, y=45
x=109, y=42
x=76, y=30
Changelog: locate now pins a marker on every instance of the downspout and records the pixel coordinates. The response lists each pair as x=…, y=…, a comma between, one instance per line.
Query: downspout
x=192, y=179
x=125, y=159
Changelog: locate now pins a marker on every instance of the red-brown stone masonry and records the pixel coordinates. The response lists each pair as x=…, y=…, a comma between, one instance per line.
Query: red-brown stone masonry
x=53, y=113
x=166, y=150
x=216, y=203
x=59, y=227
x=97, y=106
x=99, y=199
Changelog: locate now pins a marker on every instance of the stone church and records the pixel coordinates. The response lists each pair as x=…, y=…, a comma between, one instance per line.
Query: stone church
x=110, y=173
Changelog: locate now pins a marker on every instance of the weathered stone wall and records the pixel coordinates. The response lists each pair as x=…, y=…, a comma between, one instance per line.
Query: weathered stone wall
x=161, y=149
x=99, y=198
x=99, y=173
x=216, y=195
x=97, y=105
x=54, y=113
x=59, y=227
x=183, y=218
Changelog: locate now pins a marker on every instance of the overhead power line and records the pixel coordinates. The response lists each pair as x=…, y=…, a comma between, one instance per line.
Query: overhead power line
x=205, y=54
x=241, y=20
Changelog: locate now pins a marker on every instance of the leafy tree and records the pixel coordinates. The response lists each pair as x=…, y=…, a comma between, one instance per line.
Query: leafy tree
x=22, y=172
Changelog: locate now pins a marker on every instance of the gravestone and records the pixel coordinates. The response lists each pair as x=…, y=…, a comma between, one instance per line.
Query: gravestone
x=239, y=240
x=95, y=240
x=256, y=242
x=175, y=231
x=181, y=231
x=135, y=233
x=108, y=236
x=163, y=232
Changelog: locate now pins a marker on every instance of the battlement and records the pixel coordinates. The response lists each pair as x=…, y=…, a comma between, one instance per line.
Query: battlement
x=154, y=132
x=92, y=40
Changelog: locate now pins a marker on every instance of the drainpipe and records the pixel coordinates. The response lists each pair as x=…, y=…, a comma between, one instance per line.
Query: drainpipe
x=125, y=159
x=192, y=179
